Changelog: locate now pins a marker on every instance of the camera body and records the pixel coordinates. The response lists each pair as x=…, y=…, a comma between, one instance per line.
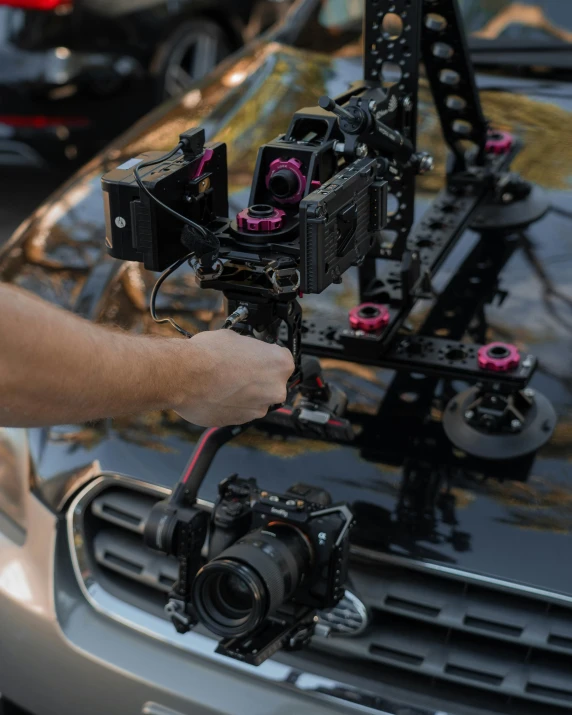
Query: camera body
x=243, y=508
x=273, y=561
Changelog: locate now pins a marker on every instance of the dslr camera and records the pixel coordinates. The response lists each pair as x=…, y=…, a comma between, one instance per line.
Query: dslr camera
x=272, y=561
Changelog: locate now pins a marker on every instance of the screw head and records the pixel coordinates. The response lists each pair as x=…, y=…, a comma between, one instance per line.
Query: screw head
x=529, y=392
x=516, y=424
x=361, y=151
x=408, y=104
x=120, y=222
x=469, y=415
x=426, y=163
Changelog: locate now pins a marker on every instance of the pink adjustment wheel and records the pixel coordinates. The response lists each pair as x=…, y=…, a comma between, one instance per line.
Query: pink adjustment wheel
x=260, y=217
x=498, y=357
x=286, y=180
x=369, y=317
x=499, y=143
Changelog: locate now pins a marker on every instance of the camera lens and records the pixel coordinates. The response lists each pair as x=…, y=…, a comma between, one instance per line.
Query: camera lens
x=235, y=592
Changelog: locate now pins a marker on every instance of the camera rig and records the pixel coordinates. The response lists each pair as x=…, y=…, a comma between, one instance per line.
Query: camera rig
x=337, y=190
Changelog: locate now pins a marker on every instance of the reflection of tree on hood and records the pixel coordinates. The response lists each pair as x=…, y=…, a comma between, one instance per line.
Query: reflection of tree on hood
x=478, y=12
x=492, y=23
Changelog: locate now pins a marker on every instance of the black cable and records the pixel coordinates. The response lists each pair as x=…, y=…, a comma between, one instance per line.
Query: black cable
x=142, y=186
x=155, y=291
x=197, y=227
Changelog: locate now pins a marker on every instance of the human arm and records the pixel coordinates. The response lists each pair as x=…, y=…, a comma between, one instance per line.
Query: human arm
x=56, y=367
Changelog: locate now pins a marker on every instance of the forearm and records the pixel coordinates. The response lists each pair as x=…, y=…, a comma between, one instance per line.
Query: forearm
x=58, y=368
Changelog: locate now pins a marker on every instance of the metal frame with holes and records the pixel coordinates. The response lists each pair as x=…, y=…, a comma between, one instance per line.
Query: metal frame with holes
x=400, y=273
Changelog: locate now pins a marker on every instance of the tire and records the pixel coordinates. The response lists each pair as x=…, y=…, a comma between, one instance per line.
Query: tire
x=188, y=54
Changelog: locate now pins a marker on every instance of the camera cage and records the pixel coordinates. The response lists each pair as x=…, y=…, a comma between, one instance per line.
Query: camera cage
x=300, y=234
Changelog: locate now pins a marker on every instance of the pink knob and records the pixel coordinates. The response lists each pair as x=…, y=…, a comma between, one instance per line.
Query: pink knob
x=498, y=357
x=499, y=142
x=252, y=219
x=369, y=317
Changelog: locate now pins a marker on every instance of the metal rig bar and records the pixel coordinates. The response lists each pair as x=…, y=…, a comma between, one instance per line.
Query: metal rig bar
x=392, y=51
x=452, y=79
x=448, y=359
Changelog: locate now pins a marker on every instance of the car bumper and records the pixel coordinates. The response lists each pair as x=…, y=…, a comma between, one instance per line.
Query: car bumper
x=60, y=654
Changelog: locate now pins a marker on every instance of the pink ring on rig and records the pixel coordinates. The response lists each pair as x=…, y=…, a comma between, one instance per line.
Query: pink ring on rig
x=499, y=143
x=247, y=222
x=369, y=317
x=498, y=357
x=295, y=166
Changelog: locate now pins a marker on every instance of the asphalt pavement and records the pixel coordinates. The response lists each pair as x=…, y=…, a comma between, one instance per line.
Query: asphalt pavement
x=21, y=191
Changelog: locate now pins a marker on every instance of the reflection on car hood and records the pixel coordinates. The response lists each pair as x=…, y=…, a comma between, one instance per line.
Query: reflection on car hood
x=509, y=529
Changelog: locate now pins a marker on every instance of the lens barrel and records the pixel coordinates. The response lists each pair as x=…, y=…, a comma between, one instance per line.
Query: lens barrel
x=160, y=528
x=235, y=592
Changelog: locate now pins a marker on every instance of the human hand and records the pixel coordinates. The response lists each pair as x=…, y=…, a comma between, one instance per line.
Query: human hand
x=226, y=378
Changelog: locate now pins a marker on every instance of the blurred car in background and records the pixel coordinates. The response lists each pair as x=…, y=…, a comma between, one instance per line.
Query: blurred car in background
x=75, y=73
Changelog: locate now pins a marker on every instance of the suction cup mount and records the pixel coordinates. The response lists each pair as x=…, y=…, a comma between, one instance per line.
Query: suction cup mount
x=498, y=426
x=514, y=206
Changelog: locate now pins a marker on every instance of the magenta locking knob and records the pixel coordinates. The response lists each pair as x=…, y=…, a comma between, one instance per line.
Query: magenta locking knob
x=369, y=317
x=498, y=357
x=499, y=143
x=260, y=217
x=286, y=180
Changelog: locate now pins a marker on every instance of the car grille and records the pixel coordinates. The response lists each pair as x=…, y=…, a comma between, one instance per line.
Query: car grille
x=500, y=648
x=458, y=640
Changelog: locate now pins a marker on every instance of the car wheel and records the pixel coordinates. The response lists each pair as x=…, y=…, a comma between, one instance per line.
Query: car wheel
x=189, y=54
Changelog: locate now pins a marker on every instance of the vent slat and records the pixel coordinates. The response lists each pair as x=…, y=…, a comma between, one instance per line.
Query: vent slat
x=493, y=626
x=124, y=564
x=124, y=508
x=547, y=692
x=470, y=674
x=560, y=641
x=412, y=606
x=396, y=655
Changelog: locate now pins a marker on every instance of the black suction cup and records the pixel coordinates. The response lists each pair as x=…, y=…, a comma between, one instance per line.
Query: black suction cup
x=512, y=216
x=495, y=426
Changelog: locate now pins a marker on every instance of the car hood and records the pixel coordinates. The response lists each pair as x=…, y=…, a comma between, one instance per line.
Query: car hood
x=512, y=529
